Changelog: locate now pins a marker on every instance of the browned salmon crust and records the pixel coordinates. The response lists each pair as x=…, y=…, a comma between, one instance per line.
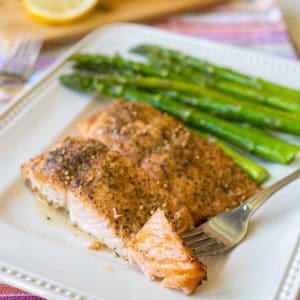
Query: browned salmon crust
x=104, y=179
x=160, y=253
x=194, y=170
x=109, y=197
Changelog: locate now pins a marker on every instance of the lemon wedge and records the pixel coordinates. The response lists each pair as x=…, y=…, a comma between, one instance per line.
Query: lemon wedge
x=58, y=11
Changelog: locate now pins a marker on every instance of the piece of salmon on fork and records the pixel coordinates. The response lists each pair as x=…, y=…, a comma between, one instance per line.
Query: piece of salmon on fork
x=108, y=196
x=161, y=253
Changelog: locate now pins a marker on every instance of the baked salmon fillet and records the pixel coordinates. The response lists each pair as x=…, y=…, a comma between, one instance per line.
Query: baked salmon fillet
x=195, y=171
x=107, y=196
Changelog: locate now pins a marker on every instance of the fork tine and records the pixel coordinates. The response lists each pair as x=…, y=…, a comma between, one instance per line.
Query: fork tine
x=201, y=238
x=196, y=236
x=21, y=41
x=36, y=47
x=12, y=52
x=212, y=250
x=22, y=56
x=32, y=54
x=25, y=49
x=21, y=60
x=15, y=54
x=16, y=45
x=196, y=231
x=31, y=51
x=202, y=244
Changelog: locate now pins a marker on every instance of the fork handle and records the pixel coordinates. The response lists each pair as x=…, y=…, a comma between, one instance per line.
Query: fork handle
x=261, y=197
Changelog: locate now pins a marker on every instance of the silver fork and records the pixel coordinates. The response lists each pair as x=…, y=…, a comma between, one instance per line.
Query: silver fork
x=228, y=229
x=20, y=61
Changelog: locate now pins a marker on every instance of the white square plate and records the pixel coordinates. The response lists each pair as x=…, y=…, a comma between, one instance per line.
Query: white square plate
x=51, y=260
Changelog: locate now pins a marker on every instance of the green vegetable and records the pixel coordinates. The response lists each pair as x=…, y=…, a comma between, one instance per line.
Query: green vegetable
x=208, y=99
x=172, y=70
x=253, y=141
x=232, y=109
x=258, y=173
x=114, y=64
x=217, y=71
x=234, y=89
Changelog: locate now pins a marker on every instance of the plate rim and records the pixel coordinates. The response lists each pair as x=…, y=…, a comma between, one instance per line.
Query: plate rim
x=42, y=286
x=39, y=285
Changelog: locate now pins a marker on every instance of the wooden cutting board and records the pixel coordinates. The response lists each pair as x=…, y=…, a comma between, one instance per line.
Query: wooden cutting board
x=14, y=20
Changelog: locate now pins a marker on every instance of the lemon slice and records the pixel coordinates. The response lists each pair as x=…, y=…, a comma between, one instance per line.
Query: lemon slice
x=58, y=11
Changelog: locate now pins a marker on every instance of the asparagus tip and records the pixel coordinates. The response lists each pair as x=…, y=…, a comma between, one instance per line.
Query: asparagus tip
x=141, y=49
x=263, y=176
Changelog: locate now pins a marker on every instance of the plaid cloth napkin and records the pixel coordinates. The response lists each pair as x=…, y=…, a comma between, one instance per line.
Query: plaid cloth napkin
x=257, y=24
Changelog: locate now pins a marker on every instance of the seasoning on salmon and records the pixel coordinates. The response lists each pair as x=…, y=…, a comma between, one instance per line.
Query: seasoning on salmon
x=161, y=253
x=195, y=171
x=104, y=193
